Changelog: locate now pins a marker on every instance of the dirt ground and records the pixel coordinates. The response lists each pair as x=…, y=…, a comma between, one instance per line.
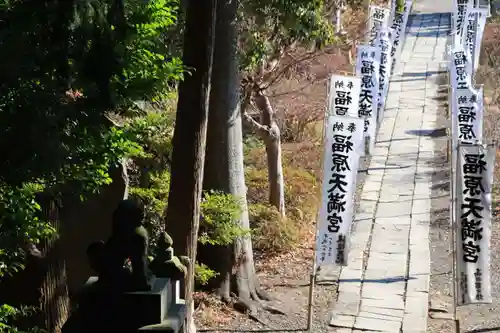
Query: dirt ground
x=440, y=293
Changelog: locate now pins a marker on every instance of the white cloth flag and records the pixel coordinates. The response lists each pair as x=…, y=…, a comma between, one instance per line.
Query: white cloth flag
x=460, y=8
x=385, y=46
x=378, y=19
x=461, y=85
x=460, y=68
x=467, y=115
x=460, y=82
x=367, y=68
x=398, y=26
x=472, y=37
x=344, y=95
x=473, y=223
x=340, y=168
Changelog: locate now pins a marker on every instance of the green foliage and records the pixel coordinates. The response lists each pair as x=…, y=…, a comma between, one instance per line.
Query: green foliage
x=203, y=274
x=400, y=4
x=65, y=66
x=267, y=27
x=153, y=132
x=57, y=86
x=154, y=199
x=19, y=224
x=149, y=169
x=9, y=313
x=149, y=72
x=54, y=96
x=150, y=183
x=250, y=142
x=218, y=224
x=270, y=231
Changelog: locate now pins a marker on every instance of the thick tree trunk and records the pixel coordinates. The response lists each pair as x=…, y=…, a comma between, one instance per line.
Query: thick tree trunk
x=183, y=212
x=272, y=139
x=224, y=163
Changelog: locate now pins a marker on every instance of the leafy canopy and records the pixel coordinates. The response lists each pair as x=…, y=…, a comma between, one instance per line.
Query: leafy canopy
x=270, y=27
x=65, y=65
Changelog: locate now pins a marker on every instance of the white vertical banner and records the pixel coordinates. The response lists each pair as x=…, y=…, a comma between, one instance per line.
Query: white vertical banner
x=467, y=115
x=378, y=19
x=385, y=47
x=367, y=68
x=398, y=26
x=344, y=95
x=473, y=223
x=460, y=83
x=474, y=24
x=460, y=8
x=460, y=68
x=340, y=168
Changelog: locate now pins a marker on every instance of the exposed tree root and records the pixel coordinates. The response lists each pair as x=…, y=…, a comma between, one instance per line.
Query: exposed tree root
x=250, y=306
x=261, y=295
x=273, y=310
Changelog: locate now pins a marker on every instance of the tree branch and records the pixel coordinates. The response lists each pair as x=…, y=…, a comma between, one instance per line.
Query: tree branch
x=299, y=90
x=345, y=45
x=264, y=130
x=282, y=71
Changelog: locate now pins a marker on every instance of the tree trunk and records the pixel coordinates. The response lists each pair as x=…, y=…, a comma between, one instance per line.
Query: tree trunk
x=272, y=139
x=224, y=164
x=183, y=211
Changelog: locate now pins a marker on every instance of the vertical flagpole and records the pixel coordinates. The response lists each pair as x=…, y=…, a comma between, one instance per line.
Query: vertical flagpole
x=453, y=227
x=312, y=285
x=314, y=271
x=448, y=115
x=455, y=151
x=367, y=21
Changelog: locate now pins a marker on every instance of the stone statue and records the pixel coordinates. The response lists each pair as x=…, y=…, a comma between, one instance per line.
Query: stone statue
x=129, y=241
x=166, y=264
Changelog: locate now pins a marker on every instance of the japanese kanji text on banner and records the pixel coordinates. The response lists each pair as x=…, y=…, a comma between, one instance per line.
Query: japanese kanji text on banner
x=474, y=24
x=460, y=8
x=385, y=46
x=344, y=95
x=378, y=19
x=467, y=115
x=399, y=23
x=367, y=68
x=340, y=168
x=473, y=223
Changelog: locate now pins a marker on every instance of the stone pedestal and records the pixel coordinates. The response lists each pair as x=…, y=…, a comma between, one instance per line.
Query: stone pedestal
x=159, y=310
x=147, y=307
x=173, y=322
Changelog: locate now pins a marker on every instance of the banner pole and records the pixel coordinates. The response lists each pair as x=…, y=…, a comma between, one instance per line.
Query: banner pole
x=314, y=272
x=312, y=285
x=453, y=238
x=449, y=114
